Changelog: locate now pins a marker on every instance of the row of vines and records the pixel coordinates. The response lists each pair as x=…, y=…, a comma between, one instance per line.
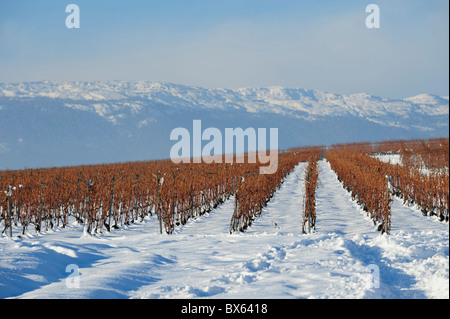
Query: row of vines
x=309, y=200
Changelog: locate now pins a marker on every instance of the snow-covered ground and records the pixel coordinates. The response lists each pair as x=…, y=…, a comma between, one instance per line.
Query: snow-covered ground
x=396, y=159
x=345, y=258
x=390, y=158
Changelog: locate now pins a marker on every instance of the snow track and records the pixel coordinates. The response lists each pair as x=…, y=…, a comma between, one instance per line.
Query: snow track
x=272, y=259
x=336, y=212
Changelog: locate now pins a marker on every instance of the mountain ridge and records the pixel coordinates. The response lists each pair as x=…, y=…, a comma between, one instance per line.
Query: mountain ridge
x=274, y=99
x=146, y=86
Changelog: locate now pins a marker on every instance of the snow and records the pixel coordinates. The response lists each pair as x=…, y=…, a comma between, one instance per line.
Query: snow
x=396, y=159
x=390, y=158
x=272, y=259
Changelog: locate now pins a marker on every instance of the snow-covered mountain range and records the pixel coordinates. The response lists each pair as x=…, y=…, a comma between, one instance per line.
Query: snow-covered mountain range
x=68, y=123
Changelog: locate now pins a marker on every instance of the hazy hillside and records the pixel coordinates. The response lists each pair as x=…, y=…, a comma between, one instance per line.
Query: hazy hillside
x=69, y=123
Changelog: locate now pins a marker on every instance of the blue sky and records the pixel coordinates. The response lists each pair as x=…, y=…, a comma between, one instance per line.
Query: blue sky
x=311, y=44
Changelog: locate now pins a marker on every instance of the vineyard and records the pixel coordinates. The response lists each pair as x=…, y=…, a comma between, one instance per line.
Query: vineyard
x=109, y=196
x=161, y=227
x=106, y=197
